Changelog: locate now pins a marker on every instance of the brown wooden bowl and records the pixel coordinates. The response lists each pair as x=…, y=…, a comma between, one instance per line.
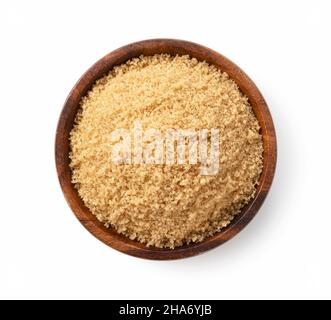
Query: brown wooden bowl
x=62, y=147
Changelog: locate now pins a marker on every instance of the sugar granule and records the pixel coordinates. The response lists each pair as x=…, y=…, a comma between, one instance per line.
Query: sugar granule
x=165, y=205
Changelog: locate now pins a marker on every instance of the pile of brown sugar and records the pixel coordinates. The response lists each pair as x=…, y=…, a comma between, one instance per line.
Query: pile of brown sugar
x=165, y=205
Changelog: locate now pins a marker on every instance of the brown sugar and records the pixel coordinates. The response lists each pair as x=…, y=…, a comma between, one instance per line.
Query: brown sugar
x=160, y=204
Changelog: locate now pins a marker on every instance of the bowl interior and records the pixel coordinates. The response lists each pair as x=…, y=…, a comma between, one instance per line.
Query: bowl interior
x=102, y=67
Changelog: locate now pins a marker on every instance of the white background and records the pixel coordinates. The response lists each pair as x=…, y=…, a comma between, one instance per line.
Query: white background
x=285, y=48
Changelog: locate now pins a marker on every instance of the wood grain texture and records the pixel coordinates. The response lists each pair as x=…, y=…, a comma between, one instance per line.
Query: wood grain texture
x=65, y=124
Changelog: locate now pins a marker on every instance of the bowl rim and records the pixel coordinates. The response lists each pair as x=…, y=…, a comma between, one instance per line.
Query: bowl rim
x=149, y=47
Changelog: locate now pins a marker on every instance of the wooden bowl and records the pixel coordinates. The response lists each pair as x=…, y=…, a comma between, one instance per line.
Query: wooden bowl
x=65, y=124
